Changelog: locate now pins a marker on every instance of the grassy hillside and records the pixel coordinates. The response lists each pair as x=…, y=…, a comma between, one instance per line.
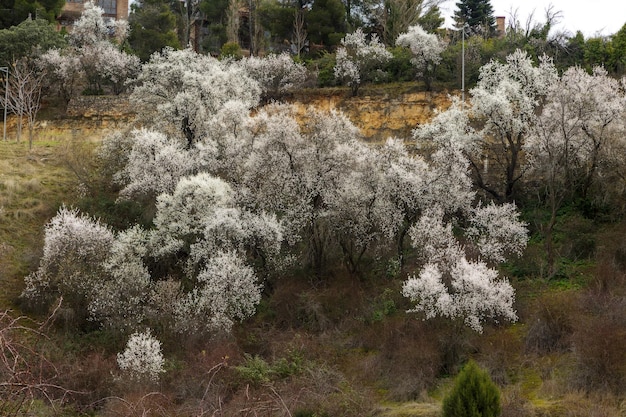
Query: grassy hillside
x=33, y=184
x=338, y=346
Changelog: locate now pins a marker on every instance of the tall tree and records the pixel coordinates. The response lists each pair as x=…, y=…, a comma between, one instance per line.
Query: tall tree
x=152, y=28
x=27, y=37
x=357, y=59
x=16, y=11
x=326, y=22
x=618, y=52
x=215, y=13
x=393, y=17
x=478, y=15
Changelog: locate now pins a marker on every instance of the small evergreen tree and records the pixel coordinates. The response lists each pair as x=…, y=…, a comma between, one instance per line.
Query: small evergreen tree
x=474, y=394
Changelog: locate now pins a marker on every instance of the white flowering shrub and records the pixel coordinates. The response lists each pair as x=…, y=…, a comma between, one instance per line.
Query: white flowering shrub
x=115, y=67
x=121, y=295
x=426, y=49
x=577, y=136
x=155, y=164
x=64, y=71
x=497, y=231
x=91, y=27
x=226, y=290
x=142, y=360
x=181, y=216
x=180, y=92
x=357, y=59
x=94, y=56
x=75, y=247
x=299, y=174
x=277, y=74
x=469, y=290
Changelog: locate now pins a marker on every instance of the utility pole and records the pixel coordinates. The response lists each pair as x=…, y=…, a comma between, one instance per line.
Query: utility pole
x=6, y=100
x=463, y=64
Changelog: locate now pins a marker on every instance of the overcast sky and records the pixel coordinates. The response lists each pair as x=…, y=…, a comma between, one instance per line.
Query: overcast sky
x=604, y=17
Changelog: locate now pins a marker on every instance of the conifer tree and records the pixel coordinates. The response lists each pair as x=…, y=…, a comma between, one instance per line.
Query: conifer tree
x=474, y=394
x=478, y=15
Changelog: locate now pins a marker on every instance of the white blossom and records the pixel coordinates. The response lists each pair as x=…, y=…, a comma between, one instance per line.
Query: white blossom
x=227, y=290
x=498, y=232
x=180, y=92
x=181, y=216
x=122, y=293
x=91, y=27
x=425, y=47
x=357, y=58
x=277, y=74
x=142, y=359
x=470, y=290
x=155, y=164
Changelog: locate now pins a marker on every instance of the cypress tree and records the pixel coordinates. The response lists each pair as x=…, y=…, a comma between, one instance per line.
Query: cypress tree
x=474, y=395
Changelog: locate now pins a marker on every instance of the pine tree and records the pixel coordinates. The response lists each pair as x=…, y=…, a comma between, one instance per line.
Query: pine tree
x=474, y=394
x=478, y=15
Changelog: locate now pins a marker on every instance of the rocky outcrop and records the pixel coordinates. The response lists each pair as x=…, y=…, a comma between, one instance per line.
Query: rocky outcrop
x=378, y=116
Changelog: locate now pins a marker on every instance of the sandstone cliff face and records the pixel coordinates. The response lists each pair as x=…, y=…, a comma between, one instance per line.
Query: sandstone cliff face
x=378, y=116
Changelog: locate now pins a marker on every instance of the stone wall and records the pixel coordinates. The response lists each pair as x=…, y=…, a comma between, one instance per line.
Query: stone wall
x=101, y=111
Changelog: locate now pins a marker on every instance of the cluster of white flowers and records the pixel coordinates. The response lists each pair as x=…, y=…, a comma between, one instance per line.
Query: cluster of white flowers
x=357, y=58
x=92, y=56
x=277, y=74
x=75, y=247
x=181, y=92
x=473, y=294
x=142, y=359
x=425, y=47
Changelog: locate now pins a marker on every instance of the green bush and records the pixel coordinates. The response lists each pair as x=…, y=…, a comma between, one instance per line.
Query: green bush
x=474, y=394
x=231, y=50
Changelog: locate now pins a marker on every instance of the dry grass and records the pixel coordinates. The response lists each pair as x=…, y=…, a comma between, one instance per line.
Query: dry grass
x=33, y=184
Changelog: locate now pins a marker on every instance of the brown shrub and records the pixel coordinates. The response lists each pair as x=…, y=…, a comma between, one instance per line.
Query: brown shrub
x=598, y=344
x=551, y=325
x=404, y=356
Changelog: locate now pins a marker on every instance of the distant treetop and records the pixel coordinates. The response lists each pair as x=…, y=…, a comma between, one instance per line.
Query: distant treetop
x=478, y=14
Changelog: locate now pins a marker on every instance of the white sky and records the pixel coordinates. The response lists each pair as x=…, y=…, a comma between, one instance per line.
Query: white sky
x=596, y=17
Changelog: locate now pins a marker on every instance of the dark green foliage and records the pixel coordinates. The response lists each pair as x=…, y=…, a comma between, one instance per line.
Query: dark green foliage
x=399, y=67
x=215, y=13
x=326, y=22
x=152, y=28
x=30, y=35
x=13, y=12
x=597, y=52
x=325, y=70
x=618, y=53
x=431, y=20
x=278, y=18
x=478, y=14
x=231, y=50
x=474, y=395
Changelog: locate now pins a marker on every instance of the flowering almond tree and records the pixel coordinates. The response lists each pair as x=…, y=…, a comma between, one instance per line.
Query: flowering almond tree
x=507, y=99
x=576, y=141
x=276, y=74
x=457, y=279
x=181, y=92
x=426, y=49
x=357, y=59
